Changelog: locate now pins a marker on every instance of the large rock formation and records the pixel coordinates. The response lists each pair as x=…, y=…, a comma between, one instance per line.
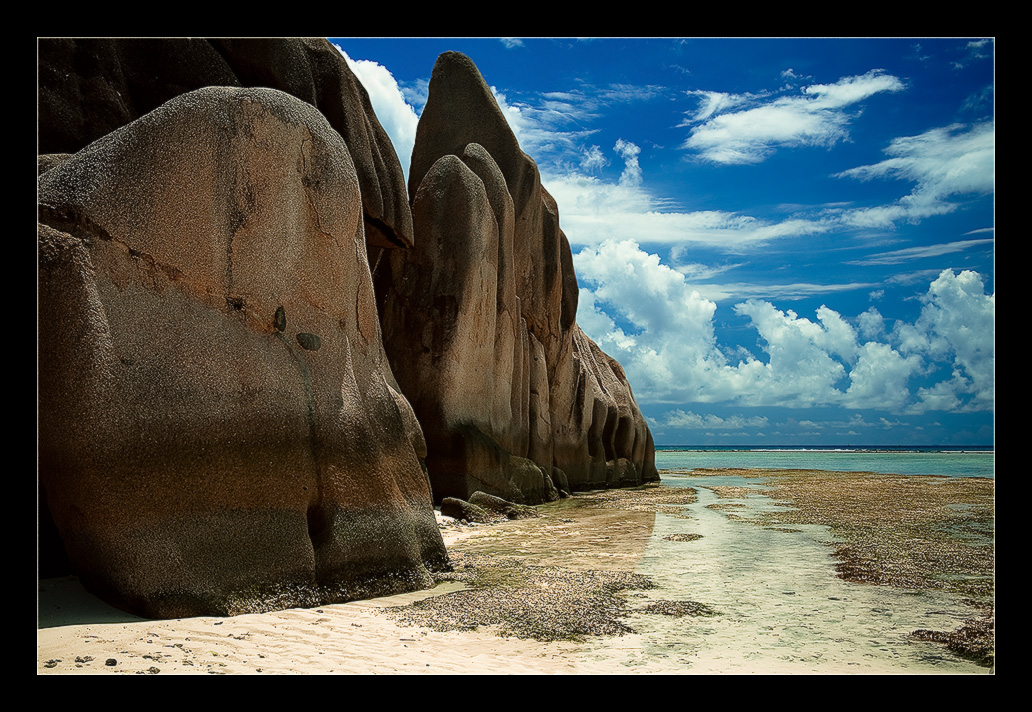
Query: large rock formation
x=219, y=430
x=90, y=87
x=479, y=317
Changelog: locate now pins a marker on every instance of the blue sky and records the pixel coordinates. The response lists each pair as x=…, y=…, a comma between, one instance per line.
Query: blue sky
x=783, y=241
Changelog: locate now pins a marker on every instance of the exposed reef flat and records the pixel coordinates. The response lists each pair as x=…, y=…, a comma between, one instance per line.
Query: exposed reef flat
x=918, y=533
x=650, y=592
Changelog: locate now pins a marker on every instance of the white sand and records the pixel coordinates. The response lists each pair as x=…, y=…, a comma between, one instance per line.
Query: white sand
x=82, y=633
x=346, y=638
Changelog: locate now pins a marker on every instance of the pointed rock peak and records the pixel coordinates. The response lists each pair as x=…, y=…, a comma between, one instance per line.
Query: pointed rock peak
x=457, y=62
x=460, y=110
x=456, y=72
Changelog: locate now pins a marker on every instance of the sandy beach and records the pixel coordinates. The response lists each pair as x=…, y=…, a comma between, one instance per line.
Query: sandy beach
x=86, y=636
x=661, y=580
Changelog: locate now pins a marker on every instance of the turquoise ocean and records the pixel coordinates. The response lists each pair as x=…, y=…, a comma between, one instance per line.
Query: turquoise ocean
x=948, y=462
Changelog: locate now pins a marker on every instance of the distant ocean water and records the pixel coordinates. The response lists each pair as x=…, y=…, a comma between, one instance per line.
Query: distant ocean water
x=901, y=460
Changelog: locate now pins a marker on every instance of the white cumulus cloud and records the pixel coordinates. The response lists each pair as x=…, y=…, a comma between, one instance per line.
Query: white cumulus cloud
x=957, y=326
x=880, y=378
x=394, y=113
x=632, y=171
x=661, y=329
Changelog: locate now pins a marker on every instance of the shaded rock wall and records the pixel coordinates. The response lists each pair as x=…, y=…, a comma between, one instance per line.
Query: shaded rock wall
x=219, y=428
x=90, y=87
x=479, y=317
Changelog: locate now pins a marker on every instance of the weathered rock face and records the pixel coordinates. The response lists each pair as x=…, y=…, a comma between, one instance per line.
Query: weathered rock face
x=90, y=87
x=219, y=430
x=479, y=318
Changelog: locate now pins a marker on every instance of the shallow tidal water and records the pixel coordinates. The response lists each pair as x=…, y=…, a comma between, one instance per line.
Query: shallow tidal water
x=781, y=608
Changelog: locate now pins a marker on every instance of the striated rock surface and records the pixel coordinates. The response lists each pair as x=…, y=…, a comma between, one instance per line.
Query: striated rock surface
x=219, y=429
x=90, y=87
x=479, y=318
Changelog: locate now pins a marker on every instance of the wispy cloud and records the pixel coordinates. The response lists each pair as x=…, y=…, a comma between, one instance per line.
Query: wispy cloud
x=557, y=125
x=976, y=50
x=943, y=163
x=547, y=129
x=918, y=253
x=712, y=103
x=688, y=420
x=594, y=211
x=553, y=125
x=790, y=291
x=593, y=160
x=817, y=117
